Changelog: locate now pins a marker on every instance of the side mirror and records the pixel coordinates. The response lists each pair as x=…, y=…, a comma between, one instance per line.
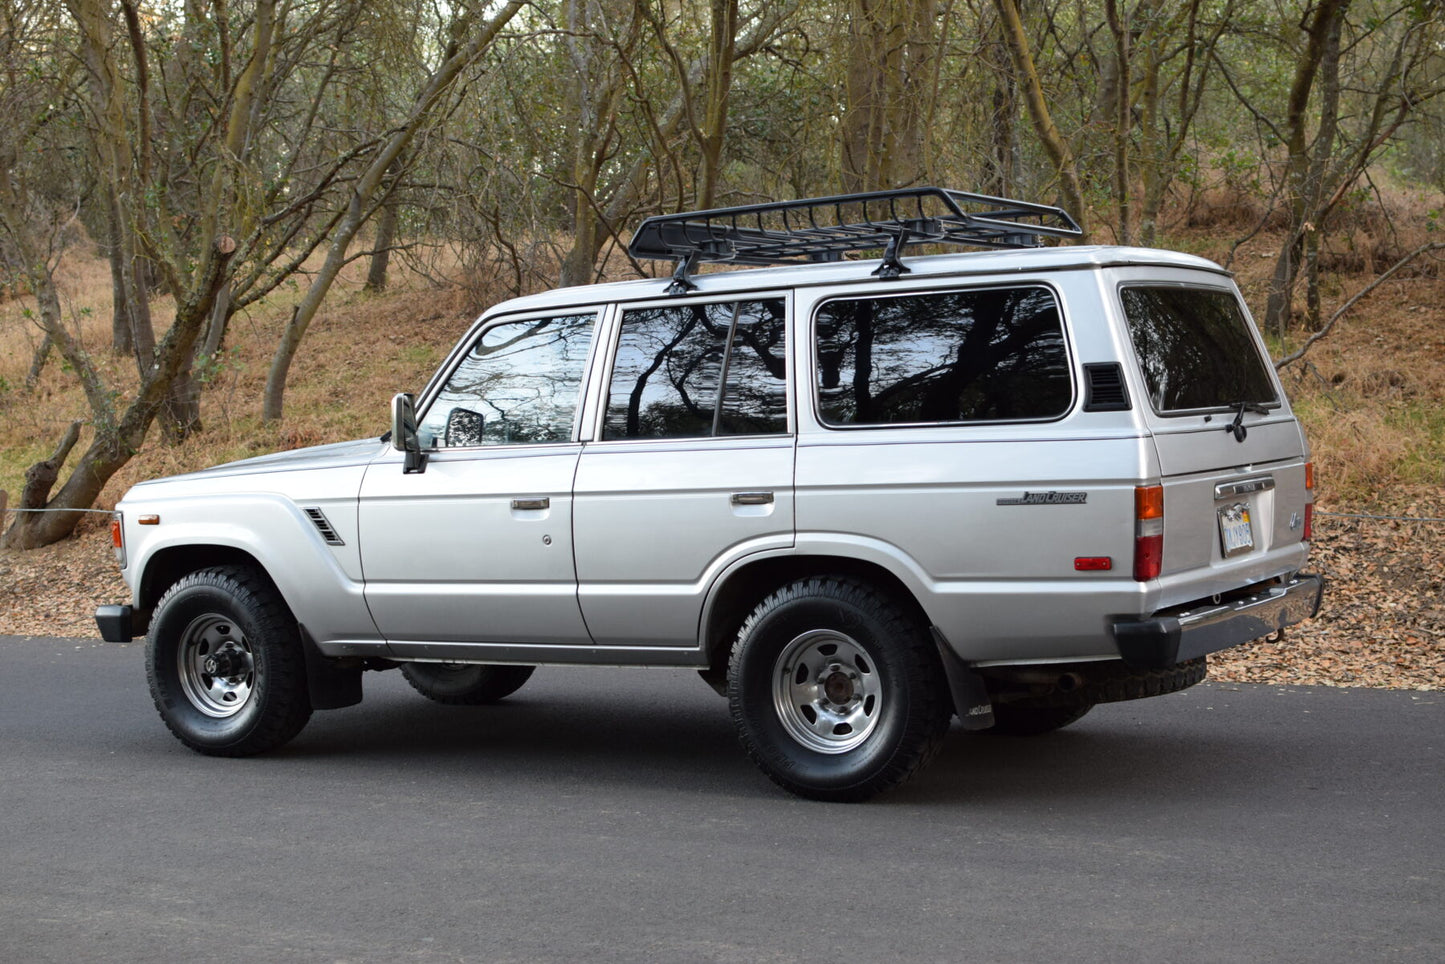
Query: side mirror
x=403, y=433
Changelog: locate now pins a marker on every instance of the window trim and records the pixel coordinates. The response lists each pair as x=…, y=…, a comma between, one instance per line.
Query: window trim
x=608, y=362
x=882, y=295
x=1261, y=350
x=464, y=347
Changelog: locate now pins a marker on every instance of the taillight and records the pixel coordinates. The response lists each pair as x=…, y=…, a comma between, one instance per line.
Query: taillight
x=1148, y=532
x=1310, y=505
x=117, y=537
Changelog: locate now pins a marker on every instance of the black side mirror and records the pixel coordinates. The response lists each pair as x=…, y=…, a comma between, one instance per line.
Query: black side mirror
x=403, y=433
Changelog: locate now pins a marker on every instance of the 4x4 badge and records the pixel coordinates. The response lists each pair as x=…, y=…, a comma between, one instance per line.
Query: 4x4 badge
x=1048, y=498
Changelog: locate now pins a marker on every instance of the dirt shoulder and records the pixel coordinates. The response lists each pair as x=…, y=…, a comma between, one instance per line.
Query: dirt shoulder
x=1383, y=623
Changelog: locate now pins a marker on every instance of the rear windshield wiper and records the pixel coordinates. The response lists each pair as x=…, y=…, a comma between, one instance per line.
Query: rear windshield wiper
x=1237, y=426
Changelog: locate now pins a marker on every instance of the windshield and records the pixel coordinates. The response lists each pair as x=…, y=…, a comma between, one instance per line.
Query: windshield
x=1195, y=349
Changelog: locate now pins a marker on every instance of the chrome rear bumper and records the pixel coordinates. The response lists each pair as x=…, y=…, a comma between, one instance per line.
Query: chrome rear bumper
x=1165, y=639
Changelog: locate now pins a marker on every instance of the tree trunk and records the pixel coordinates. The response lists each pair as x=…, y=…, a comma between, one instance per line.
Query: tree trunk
x=359, y=209
x=1122, y=119
x=121, y=341
x=1327, y=19
x=381, y=251
x=1003, y=112
x=1054, y=143
x=37, y=362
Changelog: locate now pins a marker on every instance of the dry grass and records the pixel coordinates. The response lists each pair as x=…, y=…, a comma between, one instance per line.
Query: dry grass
x=1372, y=397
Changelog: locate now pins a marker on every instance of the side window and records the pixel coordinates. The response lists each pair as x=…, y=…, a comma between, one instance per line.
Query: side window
x=520, y=383
x=690, y=371
x=994, y=354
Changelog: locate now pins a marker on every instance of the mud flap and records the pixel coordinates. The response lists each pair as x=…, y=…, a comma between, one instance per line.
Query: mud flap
x=330, y=686
x=970, y=693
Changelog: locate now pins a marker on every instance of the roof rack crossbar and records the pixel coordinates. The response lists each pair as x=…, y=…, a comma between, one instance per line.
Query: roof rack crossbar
x=825, y=229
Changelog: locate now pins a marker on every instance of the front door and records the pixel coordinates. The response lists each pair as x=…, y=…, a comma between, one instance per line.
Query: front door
x=477, y=548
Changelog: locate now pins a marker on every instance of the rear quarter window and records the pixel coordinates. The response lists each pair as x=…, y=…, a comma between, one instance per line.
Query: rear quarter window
x=981, y=355
x=1195, y=348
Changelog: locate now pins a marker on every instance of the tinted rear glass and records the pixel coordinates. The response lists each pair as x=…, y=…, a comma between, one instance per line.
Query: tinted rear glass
x=993, y=354
x=1195, y=349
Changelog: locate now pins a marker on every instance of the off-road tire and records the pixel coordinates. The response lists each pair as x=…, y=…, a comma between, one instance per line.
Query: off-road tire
x=225, y=665
x=807, y=662
x=465, y=684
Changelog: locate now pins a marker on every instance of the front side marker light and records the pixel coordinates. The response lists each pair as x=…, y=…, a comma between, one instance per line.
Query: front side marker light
x=117, y=537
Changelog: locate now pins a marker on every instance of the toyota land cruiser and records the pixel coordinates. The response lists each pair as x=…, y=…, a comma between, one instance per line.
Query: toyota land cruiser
x=859, y=496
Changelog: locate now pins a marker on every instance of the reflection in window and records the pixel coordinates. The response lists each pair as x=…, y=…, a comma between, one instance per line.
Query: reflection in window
x=1195, y=349
x=519, y=383
x=959, y=356
x=671, y=360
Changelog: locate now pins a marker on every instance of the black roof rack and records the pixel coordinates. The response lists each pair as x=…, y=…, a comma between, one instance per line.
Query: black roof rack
x=825, y=228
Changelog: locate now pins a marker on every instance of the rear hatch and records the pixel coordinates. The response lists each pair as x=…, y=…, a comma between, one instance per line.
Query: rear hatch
x=1232, y=458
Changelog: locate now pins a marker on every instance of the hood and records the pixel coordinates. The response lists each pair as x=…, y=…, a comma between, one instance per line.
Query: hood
x=335, y=455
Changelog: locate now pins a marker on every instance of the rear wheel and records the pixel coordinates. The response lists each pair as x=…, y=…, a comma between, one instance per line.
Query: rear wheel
x=836, y=690
x=224, y=663
x=465, y=684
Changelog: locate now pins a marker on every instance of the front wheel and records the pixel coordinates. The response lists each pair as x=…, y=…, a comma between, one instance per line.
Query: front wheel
x=465, y=684
x=224, y=663
x=836, y=690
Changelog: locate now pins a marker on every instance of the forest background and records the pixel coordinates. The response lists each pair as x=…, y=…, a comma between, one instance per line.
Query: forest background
x=233, y=226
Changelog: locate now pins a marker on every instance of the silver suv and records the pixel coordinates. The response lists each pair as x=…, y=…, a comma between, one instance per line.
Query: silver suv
x=858, y=496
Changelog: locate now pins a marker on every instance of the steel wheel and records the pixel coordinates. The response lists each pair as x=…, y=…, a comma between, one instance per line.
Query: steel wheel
x=836, y=689
x=827, y=691
x=225, y=664
x=217, y=667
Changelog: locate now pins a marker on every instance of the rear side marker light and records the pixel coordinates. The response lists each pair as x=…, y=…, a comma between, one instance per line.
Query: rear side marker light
x=1148, y=532
x=1310, y=505
x=1093, y=564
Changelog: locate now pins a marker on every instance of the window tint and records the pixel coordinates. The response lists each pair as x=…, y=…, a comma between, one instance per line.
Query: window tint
x=1195, y=348
x=519, y=383
x=958, y=356
x=671, y=360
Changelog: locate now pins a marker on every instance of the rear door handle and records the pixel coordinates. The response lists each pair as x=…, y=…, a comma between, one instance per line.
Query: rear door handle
x=542, y=503
x=752, y=498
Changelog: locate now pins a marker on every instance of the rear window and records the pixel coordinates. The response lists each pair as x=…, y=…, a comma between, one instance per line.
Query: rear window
x=982, y=355
x=1195, y=349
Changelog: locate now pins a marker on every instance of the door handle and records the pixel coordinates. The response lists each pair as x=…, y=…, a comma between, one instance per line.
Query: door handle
x=752, y=498
x=542, y=503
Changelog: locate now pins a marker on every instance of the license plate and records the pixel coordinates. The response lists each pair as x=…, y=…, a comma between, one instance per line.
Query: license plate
x=1235, y=533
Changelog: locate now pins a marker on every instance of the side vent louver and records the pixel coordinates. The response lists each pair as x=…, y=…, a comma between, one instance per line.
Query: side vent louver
x=323, y=526
x=1104, y=388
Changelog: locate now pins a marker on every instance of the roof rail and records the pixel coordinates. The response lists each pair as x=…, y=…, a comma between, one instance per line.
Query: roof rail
x=825, y=228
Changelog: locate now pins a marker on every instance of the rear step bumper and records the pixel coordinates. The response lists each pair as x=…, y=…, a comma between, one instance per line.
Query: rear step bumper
x=1159, y=641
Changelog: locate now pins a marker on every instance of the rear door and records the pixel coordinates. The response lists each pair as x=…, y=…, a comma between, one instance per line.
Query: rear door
x=1231, y=454
x=692, y=467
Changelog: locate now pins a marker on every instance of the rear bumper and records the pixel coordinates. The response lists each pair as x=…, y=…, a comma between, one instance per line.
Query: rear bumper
x=1166, y=639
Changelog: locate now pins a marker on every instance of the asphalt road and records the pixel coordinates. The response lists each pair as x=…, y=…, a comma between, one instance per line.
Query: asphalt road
x=608, y=815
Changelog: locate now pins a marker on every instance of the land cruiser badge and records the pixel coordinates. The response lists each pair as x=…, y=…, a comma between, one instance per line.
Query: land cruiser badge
x=1048, y=498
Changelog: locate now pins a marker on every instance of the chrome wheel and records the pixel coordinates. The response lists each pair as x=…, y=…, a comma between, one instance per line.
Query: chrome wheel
x=217, y=667
x=827, y=691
